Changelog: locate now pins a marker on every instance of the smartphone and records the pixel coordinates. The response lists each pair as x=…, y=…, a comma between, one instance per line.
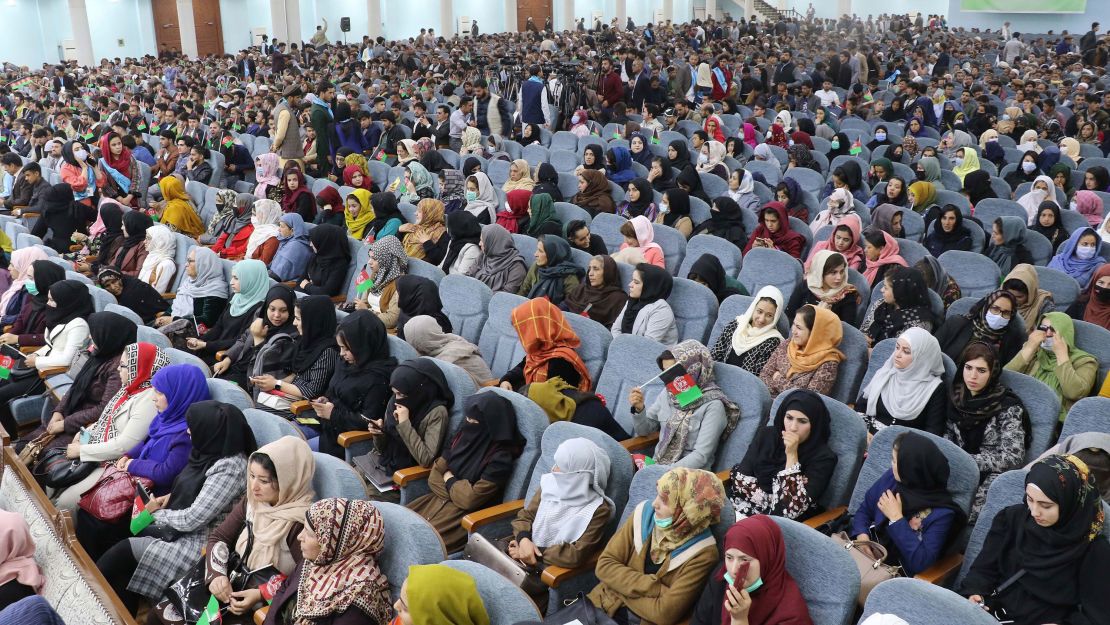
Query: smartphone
x=741, y=575
x=308, y=421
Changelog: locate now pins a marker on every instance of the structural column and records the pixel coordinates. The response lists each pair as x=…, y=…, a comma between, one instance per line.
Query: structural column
x=374, y=18
x=711, y=9
x=510, y=17
x=843, y=7
x=668, y=11
x=293, y=24
x=446, y=18
x=622, y=14
x=749, y=9
x=568, y=15
x=188, y=28
x=82, y=36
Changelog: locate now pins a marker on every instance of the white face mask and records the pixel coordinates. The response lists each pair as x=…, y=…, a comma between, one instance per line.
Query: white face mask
x=1028, y=167
x=576, y=119
x=1084, y=252
x=702, y=159
x=1047, y=343
x=80, y=155
x=995, y=322
x=880, y=136
x=664, y=208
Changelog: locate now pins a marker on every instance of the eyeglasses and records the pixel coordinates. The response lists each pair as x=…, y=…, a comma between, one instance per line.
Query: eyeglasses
x=1047, y=329
x=995, y=309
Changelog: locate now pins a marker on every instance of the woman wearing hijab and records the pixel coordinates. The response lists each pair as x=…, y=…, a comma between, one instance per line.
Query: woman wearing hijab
x=708, y=271
x=261, y=531
x=977, y=185
x=844, y=240
x=774, y=232
x=907, y=390
x=471, y=166
x=905, y=304
x=249, y=284
x=481, y=200
x=1050, y=355
x=1097, y=309
x=673, y=560
x=593, y=157
x=274, y=325
x=452, y=190
x=499, y=266
x=294, y=252
x=263, y=241
x=386, y=262
x=542, y=218
x=1032, y=301
x=418, y=184
x=549, y=345
x=763, y=153
x=1090, y=206
x=726, y=221
x=640, y=201
x=811, y=358
x=339, y=580
x=985, y=418
x=516, y=218
x=425, y=240
x=179, y=211
x=76, y=171
x=593, y=192
x=415, y=420
x=639, y=149
x=827, y=286
x=1027, y=170
x=463, y=251
x=741, y=189
x=133, y=251
x=475, y=465
x=839, y=146
x=990, y=320
x=158, y=268
x=131, y=293
x=711, y=158
x=29, y=327
x=20, y=575
x=678, y=153
x=965, y=161
x=267, y=172
x=60, y=216
x=520, y=177
x=327, y=270
x=203, y=292
x=234, y=231
x=789, y=463
x=647, y=312
x=417, y=295
x=1054, y=537
x=296, y=197
x=839, y=205
x=1041, y=191
x=387, y=218
x=881, y=255
x=547, y=181
x=212, y=480
x=428, y=338
x=354, y=177
x=121, y=171
x=1061, y=178
x=948, y=232
x=600, y=296
x=1007, y=245
x=921, y=196
x=1079, y=256
x=660, y=174
x=800, y=156
x=553, y=275
x=619, y=166
x=17, y=293
x=790, y=195
x=103, y=242
x=749, y=340
x=358, y=214
x=909, y=509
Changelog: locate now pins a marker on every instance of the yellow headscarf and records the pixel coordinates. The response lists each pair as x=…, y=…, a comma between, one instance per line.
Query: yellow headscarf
x=524, y=182
x=179, y=211
x=439, y=594
x=969, y=164
x=824, y=339
x=356, y=226
x=924, y=195
x=431, y=226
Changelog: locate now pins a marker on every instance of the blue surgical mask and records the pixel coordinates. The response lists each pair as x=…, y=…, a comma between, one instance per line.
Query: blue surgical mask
x=1084, y=252
x=31, y=288
x=1028, y=167
x=471, y=196
x=957, y=160
x=880, y=136
x=835, y=145
x=663, y=523
x=729, y=578
x=755, y=586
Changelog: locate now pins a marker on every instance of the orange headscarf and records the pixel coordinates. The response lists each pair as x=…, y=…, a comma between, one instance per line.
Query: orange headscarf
x=824, y=339
x=545, y=334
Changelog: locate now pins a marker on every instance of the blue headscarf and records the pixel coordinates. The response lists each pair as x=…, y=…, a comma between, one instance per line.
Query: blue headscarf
x=622, y=160
x=1065, y=259
x=293, y=253
x=183, y=385
x=254, y=281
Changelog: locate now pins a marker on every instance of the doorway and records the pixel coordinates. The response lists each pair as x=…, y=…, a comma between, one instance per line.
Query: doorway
x=538, y=10
x=206, y=19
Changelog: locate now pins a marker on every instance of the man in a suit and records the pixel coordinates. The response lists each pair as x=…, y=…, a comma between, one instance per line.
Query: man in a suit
x=245, y=66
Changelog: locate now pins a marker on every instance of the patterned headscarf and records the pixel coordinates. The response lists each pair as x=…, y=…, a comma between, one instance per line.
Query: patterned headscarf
x=142, y=361
x=351, y=533
x=696, y=496
x=546, y=334
x=392, y=262
x=675, y=433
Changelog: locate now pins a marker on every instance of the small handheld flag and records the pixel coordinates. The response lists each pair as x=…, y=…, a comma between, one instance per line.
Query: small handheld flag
x=211, y=612
x=6, y=363
x=140, y=516
x=364, y=282
x=616, y=135
x=88, y=136
x=228, y=141
x=141, y=126
x=155, y=128
x=681, y=385
x=856, y=148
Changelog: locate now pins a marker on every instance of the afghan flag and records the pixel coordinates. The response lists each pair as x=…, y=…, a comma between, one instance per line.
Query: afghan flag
x=655, y=140
x=155, y=128
x=141, y=126
x=364, y=282
x=228, y=141
x=211, y=613
x=681, y=385
x=88, y=136
x=856, y=148
x=616, y=135
x=6, y=364
x=140, y=516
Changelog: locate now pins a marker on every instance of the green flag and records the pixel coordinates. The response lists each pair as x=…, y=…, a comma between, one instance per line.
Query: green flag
x=211, y=612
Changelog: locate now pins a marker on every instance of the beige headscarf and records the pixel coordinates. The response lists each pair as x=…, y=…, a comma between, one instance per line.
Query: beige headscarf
x=1031, y=311
x=295, y=467
x=525, y=182
x=1070, y=148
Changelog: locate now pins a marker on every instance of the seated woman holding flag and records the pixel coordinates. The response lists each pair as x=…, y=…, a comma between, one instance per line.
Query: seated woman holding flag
x=693, y=416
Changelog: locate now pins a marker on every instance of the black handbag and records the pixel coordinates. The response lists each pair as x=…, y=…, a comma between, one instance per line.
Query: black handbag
x=580, y=610
x=239, y=575
x=56, y=471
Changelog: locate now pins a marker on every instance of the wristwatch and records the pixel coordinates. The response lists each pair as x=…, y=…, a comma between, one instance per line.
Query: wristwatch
x=277, y=385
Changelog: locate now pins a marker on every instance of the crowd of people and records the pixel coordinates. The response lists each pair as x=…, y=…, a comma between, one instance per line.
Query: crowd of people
x=327, y=176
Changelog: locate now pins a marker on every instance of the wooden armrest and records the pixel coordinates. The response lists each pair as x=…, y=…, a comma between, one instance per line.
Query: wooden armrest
x=725, y=475
x=300, y=406
x=168, y=296
x=637, y=443
x=346, y=439
x=76, y=247
x=488, y=383
x=260, y=615
x=825, y=517
x=403, y=477
x=220, y=355
x=52, y=371
x=478, y=518
x=554, y=575
x=29, y=349
x=290, y=283
x=28, y=215
x=942, y=569
x=338, y=299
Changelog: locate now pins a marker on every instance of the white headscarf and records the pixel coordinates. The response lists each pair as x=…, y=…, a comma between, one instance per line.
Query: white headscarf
x=569, y=498
x=906, y=391
x=208, y=283
x=815, y=276
x=1031, y=201
x=265, y=219
x=486, y=200
x=160, y=245
x=745, y=336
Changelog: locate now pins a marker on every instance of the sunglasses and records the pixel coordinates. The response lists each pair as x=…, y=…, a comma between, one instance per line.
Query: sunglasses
x=1047, y=329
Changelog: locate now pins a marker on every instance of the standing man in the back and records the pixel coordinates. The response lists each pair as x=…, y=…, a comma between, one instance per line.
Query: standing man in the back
x=321, y=119
x=533, y=100
x=287, y=134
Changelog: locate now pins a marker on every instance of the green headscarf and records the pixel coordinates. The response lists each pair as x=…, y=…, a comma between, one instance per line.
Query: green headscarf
x=887, y=166
x=542, y=211
x=253, y=285
x=932, y=169
x=439, y=594
x=1044, y=369
x=1061, y=168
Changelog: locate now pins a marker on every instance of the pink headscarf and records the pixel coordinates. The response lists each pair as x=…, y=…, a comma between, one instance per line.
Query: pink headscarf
x=645, y=235
x=854, y=256
x=749, y=134
x=21, y=261
x=1090, y=206
x=17, y=553
x=889, y=256
x=266, y=173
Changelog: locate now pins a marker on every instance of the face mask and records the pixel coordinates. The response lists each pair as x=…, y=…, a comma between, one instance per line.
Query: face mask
x=756, y=585
x=31, y=288
x=1072, y=206
x=995, y=322
x=880, y=136
x=1047, y=344
x=1028, y=167
x=663, y=523
x=920, y=174
x=80, y=155
x=576, y=119
x=471, y=196
x=1085, y=253
x=1102, y=293
x=664, y=208
x=702, y=159
x=835, y=145
x=957, y=161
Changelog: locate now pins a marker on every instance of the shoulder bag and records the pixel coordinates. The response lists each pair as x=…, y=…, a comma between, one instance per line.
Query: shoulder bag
x=57, y=471
x=872, y=570
x=111, y=497
x=493, y=555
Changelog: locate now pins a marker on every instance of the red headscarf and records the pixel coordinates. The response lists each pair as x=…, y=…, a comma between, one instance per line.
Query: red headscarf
x=290, y=196
x=545, y=334
x=121, y=163
x=349, y=173
x=888, y=256
x=785, y=239
x=718, y=132
x=778, y=136
x=802, y=138
x=517, y=200
x=1097, y=312
x=778, y=600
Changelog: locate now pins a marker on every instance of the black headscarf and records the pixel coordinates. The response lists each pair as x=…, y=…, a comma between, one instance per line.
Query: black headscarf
x=47, y=273
x=845, y=144
x=72, y=300
x=599, y=157
x=547, y=181
x=136, y=224
x=110, y=333
x=657, y=284
x=470, y=166
x=977, y=186
x=385, y=208
x=434, y=162
x=647, y=196
x=971, y=413
x=726, y=220
x=1056, y=234
x=551, y=278
x=689, y=177
x=850, y=173
x=62, y=214
x=417, y=295
x=485, y=450
x=645, y=155
x=112, y=216
x=364, y=334
x=708, y=269
x=937, y=241
x=923, y=477
x=137, y=295
x=218, y=431
x=678, y=205
x=332, y=252
x=766, y=457
x=285, y=294
x=424, y=388
x=318, y=331
x=463, y=227
x=666, y=180
x=682, y=160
